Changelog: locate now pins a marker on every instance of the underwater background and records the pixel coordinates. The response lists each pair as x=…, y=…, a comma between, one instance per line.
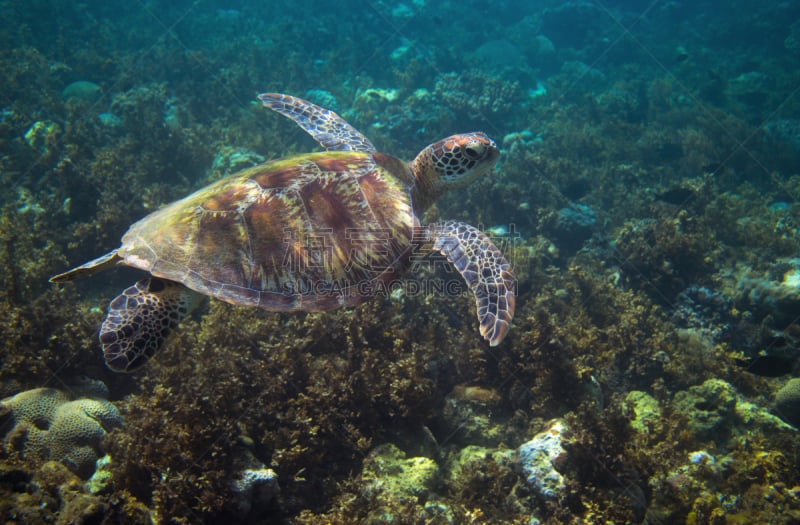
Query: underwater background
x=647, y=197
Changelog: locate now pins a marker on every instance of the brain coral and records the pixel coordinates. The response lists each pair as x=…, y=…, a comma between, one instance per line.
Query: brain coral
x=787, y=402
x=45, y=424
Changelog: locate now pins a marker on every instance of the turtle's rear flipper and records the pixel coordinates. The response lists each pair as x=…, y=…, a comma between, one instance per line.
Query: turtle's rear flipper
x=140, y=319
x=487, y=272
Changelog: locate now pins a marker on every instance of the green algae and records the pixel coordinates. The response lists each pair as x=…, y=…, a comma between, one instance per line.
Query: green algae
x=101, y=480
x=646, y=411
x=389, y=475
x=709, y=408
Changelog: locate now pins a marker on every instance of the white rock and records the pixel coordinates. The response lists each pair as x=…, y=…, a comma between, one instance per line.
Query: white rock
x=254, y=490
x=536, y=459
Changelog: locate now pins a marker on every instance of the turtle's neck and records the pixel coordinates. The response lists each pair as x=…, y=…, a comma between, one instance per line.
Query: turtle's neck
x=427, y=184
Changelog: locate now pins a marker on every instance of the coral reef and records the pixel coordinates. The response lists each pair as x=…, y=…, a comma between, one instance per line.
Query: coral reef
x=102, y=479
x=390, y=478
x=709, y=408
x=473, y=415
x=474, y=95
x=51, y=493
x=715, y=411
x=647, y=412
x=44, y=423
x=572, y=226
x=647, y=192
x=787, y=402
x=665, y=253
x=231, y=160
x=775, y=290
x=706, y=311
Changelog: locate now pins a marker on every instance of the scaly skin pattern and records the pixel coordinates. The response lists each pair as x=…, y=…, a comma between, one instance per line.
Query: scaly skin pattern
x=140, y=319
x=487, y=272
x=450, y=163
x=329, y=129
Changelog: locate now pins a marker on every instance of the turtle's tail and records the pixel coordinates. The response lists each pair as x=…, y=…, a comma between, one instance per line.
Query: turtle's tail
x=140, y=319
x=90, y=268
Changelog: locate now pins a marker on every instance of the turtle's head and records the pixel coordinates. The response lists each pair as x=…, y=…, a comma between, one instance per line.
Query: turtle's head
x=453, y=162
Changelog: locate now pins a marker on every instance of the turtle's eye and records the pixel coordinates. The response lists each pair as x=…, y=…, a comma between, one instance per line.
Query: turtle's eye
x=475, y=150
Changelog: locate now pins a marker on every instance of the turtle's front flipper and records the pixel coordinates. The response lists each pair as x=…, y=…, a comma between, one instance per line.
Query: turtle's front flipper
x=486, y=271
x=329, y=129
x=140, y=319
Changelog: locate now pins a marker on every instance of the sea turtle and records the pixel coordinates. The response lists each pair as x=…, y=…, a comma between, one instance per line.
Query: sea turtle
x=309, y=232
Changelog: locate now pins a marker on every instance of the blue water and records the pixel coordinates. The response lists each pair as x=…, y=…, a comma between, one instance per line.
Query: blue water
x=646, y=197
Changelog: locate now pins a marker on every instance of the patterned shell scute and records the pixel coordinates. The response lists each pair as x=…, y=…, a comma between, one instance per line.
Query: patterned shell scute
x=312, y=232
